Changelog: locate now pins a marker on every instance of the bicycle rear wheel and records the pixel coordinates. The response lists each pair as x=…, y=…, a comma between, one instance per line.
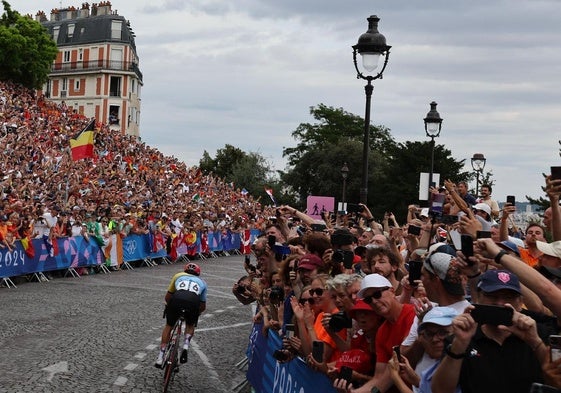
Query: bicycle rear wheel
x=170, y=362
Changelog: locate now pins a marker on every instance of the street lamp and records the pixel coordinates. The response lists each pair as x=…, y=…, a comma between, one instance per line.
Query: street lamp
x=344, y=173
x=433, y=125
x=478, y=164
x=371, y=45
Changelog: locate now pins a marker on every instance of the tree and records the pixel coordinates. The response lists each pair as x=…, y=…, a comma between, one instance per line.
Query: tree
x=27, y=50
x=246, y=170
x=322, y=149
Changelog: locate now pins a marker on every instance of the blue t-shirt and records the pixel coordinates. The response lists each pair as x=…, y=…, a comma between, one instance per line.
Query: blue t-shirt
x=187, y=282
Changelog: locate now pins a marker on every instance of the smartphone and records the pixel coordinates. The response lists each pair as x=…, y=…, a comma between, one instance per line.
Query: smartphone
x=467, y=247
x=449, y=219
x=555, y=347
x=485, y=314
x=272, y=240
x=317, y=351
x=318, y=227
x=437, y=203
x=555, y=173
x=397, y=352
x=414, y=272
x=354, y=208
x=280, y=355
x=540, y=388
x=483, y=234
x=511, y=199
x=289, y=329
x=414, y=230
x=346, y=373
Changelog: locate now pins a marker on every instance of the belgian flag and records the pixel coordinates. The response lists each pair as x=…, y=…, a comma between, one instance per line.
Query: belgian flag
x=82, y=145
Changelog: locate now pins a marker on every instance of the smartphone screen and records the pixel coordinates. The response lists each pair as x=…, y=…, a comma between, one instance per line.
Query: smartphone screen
x=397, y=352
x=555, y=347
x=317, y=351
x=511, y=199
x=414, y=272
x=483, y=234
x=485, y=314
x=414, y=230
x=289, y=330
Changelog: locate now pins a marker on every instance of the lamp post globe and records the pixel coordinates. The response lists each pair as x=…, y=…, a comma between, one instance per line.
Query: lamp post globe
x=371, y=46
x=478, y=164
x=433, y=126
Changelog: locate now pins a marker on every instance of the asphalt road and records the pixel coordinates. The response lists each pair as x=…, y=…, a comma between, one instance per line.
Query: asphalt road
x=101, y=333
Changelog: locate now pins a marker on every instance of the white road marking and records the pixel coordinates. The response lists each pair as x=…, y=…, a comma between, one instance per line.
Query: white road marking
x=131, y=366
x=120, y=381
x=60, y=367
x=151, y=347
x=140, y=355
x=211, y=371
x=219, y=311
x=223, y=327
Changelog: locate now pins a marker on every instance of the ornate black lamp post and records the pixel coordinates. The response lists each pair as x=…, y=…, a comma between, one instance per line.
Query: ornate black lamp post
x=433, y=125
x=371, y=45
x=478, y=164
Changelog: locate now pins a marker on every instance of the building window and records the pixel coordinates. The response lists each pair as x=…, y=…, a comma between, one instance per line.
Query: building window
x=66, y=55
x=64, y=84
x=77, y=85
x=80, y=54
x=115, y=86
x=114, y=114
x=116, y=27
x=56, y=30
x=71, y=30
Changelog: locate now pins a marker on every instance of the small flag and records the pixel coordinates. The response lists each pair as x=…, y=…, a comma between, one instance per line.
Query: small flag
x=269, y=192
x=83, y=144
x=196, y=197
x=442, y=233
x=244, y=192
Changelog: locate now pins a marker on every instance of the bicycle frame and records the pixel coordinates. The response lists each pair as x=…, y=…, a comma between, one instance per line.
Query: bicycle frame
x=172, y=351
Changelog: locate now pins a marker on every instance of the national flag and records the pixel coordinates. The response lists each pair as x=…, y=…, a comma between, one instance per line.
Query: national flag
x=196, y=197
x=83, y=144
x=244, y=192
x=28, y=248
x=442, y=233
x=269, y=192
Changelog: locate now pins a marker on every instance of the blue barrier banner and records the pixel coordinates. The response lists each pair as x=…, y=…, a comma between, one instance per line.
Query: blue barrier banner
x=266, y=375
x=135, y=247
x=72, y=252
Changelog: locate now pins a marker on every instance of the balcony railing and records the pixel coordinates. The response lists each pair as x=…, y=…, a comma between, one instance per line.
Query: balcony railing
x=95, y=65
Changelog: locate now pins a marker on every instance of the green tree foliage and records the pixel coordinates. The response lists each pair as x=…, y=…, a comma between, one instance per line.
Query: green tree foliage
x=399, y=186
x=246, y=170
x=26, y=50
x=314, y=165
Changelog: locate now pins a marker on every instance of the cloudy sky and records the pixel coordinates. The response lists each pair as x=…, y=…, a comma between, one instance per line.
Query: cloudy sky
x=245, y=73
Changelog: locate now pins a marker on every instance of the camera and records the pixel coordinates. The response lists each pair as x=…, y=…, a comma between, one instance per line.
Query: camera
x=340, y=321
x=276, y=295
x=241, y=289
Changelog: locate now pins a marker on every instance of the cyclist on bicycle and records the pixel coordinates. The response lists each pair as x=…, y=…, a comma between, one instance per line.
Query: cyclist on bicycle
x=187, y=292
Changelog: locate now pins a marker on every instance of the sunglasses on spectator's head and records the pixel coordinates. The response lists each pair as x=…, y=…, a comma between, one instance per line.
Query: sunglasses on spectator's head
x=309, y=300
x=317, y=291
x=375, y=295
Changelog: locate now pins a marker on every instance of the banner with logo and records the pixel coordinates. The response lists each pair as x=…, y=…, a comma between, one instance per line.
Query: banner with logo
x=266, y=375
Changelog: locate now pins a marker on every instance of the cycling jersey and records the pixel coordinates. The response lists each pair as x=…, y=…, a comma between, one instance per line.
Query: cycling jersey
x=187, y=282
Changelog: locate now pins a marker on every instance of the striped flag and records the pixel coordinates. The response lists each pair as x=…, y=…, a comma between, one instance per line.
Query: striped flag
x=244, y=192
x=269, y=192
x=82, y=145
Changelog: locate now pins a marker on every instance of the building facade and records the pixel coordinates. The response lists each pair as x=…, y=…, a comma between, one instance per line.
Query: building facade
x=96, y=71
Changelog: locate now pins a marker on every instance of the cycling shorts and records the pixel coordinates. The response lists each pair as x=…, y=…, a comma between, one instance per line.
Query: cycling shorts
x=183, y=300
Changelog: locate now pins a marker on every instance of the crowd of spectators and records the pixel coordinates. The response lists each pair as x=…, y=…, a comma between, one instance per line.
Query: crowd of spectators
x=128, y=187
x=453, y=300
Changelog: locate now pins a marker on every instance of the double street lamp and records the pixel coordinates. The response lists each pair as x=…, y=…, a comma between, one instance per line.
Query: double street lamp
x=433, y=125
x=478, y=164
x=371, y=45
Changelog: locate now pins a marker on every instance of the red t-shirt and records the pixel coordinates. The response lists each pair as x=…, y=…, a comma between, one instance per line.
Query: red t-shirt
x=391, y=334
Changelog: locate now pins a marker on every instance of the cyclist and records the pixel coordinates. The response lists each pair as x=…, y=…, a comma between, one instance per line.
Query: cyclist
x=188, y=292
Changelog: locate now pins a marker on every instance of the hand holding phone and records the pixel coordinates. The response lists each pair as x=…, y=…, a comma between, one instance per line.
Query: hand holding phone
x=467, y=247
x=317, y=351
x=415, y=268
x=510, y=199
x=397, y=351
x=346, y=373
x=485, y=314
x=555, y=347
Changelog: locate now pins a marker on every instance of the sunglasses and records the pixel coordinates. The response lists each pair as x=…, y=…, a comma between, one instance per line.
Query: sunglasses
x=440, y=334
x=375, y=295
x=317, y=291
x=309, y=300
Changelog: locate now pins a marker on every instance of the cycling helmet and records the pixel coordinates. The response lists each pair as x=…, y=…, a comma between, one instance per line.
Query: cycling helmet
x=192, y=268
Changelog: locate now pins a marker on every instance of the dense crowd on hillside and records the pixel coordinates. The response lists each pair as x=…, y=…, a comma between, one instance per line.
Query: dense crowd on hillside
x=128, y=181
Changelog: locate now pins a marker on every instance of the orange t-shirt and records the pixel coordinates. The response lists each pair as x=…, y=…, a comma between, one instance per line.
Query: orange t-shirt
x=528, y=258
x=322, y=335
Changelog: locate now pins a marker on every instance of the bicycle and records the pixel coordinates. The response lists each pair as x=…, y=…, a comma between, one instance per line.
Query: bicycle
x=171, y=353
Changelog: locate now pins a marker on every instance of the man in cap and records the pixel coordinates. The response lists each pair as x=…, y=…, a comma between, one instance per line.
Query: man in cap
x=377, y=291
x=551, y=253
x=444, y=284
x=308, y=268
x=488, y=358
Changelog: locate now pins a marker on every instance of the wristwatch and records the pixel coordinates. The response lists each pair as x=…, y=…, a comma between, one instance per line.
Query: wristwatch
x=448, y=351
